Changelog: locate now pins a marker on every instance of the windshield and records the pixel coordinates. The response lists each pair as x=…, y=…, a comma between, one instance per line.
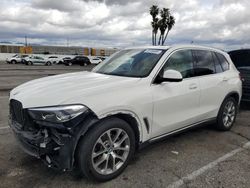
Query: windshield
x=131, y=63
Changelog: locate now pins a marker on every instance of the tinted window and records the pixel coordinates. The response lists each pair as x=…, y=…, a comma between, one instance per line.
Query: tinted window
x=181, y=61
x=218, y=67
x=204, y=63
x=240, y=58
x=223, y=61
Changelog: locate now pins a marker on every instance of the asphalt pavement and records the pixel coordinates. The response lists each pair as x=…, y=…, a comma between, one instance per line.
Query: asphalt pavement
x=202, y=157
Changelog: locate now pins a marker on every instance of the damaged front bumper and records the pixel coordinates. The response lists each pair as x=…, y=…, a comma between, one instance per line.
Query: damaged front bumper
x=55, y=144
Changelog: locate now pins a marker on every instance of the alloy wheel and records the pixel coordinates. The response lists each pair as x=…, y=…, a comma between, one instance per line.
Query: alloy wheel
x=229, y=114
x=110, y=151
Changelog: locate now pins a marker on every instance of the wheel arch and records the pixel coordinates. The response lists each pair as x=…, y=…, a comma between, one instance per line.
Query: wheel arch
x=235, y=95
x=93, y=120
x=133, y=123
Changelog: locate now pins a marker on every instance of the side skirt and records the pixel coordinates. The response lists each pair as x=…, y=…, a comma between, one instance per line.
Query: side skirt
x=177, y=131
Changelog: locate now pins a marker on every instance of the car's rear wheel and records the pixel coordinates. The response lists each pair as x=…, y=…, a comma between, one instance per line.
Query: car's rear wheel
x=69, y=64
x=227, y=114
x=106, y=150
x=48, y=63
x=29, y=63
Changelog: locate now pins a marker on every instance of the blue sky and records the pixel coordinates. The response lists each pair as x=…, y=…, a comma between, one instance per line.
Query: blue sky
x=118, y=23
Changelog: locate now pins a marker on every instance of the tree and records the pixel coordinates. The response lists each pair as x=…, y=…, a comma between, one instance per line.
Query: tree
x=165, y=23
x=154, y=11
x=170, y=23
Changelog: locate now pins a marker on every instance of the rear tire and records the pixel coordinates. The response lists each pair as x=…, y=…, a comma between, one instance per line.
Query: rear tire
x=227, y=114
x=101, y=157
x=29, y=63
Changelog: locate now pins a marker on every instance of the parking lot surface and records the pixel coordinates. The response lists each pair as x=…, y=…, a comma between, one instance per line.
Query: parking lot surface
x=202, y=157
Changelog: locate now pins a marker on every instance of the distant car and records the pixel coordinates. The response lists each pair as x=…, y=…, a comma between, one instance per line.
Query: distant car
x=54, y=59
x=65, y=59
x=241, y=59
x=37, y=60
x=102, y=58
x=16, y=59
x=96, y=61
x=77, y=60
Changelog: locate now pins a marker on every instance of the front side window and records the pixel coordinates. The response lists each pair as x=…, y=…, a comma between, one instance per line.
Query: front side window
x=204, y=63
x=181, y=61
x=131, y=63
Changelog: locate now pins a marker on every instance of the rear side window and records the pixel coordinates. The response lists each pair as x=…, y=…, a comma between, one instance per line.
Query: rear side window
x=204, y=63
x=218, y=67
x=181, y=61
x=223, y=61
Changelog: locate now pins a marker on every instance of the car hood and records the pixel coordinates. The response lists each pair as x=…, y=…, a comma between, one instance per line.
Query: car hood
x=72, y=88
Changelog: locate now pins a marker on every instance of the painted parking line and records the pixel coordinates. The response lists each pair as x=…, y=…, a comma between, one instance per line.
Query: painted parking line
x=203, y=169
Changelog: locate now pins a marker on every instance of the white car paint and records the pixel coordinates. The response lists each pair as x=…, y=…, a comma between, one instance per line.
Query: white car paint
x=95, y=60
x=168, y=106
x=54, y=59
x=15, y=58
x=38, y=60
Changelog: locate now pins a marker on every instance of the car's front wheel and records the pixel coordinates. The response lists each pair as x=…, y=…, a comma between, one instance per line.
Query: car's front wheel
x=13, y=62
x=227, y=114
x=106, y=150
x=29, y=63
x=48, y=63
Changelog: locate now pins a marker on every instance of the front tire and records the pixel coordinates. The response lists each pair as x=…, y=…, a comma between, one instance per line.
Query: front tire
x=106, y=150
x=13, y=62
x=227, y=114
x=48, y=63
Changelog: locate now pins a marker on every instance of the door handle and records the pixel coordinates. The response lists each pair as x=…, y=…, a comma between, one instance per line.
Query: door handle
x=193, y=86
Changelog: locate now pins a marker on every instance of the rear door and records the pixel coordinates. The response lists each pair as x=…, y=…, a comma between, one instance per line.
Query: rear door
x=212, y=82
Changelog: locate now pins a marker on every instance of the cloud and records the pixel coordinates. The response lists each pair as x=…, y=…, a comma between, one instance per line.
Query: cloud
x=119, y=23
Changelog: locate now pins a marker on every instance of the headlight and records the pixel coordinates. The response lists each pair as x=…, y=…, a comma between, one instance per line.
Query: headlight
x=57, y=114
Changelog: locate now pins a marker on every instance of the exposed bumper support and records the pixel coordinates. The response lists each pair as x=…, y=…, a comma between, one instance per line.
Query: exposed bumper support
x=56, y=147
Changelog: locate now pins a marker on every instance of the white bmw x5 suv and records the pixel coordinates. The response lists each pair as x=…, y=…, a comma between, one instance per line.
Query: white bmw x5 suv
x=95, y=121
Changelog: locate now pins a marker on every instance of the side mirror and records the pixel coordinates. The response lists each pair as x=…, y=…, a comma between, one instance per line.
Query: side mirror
x=172, y=76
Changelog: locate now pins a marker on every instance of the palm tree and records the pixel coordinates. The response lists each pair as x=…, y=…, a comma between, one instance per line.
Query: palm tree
x=154, y=11
x=163, y=24
x=162, y=30
x=155, y=27
x=171, y=22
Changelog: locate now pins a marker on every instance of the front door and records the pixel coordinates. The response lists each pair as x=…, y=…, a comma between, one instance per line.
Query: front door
x=176, y=104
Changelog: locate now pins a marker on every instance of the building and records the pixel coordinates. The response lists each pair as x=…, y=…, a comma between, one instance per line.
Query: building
x=62, y=50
